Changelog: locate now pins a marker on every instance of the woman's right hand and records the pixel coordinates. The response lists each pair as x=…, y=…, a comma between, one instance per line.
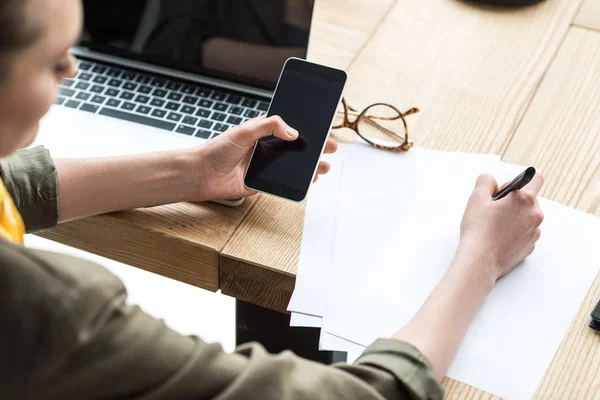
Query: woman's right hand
x=504, y=231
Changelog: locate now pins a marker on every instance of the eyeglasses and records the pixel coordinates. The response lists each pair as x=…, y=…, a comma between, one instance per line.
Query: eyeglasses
x=381, y=125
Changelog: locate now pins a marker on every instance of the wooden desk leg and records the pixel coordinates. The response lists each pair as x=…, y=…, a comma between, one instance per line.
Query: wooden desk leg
x=272, y=330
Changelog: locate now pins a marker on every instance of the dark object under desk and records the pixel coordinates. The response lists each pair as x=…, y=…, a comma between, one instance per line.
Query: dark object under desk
x=272, y=329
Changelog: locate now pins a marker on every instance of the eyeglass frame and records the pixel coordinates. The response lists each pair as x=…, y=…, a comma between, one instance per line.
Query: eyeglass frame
x=406, y=142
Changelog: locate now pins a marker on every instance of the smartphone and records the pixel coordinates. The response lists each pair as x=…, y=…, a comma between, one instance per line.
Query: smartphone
x=306, y=97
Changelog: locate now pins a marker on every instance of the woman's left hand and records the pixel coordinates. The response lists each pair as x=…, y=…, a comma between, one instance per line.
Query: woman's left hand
x=222, y=162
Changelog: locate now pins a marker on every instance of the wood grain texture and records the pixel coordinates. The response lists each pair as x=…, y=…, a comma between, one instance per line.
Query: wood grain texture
x=470, y=69
x=179, y=241
x=266, y=274
x=589, y=15
x=341, y=28
x=560, y=135
x=458, y=390
x=263, y=287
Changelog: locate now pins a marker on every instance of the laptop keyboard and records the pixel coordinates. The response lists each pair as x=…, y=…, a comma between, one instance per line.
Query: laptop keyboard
x=169, y=104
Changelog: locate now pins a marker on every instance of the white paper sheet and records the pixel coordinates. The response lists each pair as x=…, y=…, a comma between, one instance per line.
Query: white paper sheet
x=390, y=224
x=330, y=342
x=317, y=240
x=505, y=351
x=305, y=320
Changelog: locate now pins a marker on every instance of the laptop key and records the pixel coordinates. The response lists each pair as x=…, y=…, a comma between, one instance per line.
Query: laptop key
x=115, y=82
x=67, y=82
x=190, y=100
x=127, y=95
x=172, y=106
x=113, y=103
x=141, y=119
x=234, y=120
x=112, y=92
x=143, y=109
x=203, y=92
x=129, y=86
x=85, y=66
x=262, y=106
x=220, y=107
x=203, y=113
x=251, y=114
x=187, y=130
x=173, y=85
x=113, y=72
x=233, y=99
x=190, y=120
x=206, y=103
x=219, y=96
x=236, y=110
x=97, y=89
x=218, y=117
x=143, y=79
x=82, y=86
x=127, y=106
x=100, y=79
x=59, y=100
x=157, y=102
x=188, y=109
x=142, y=99
x=84, y=76
x=90, y=107
x=174, y=117
x=99, y=69
x=159, y=113
x=158, y=82
x=66, y=92
x=159, y=93
x=144, y=89
x=216, y=134
x=250, y=103
x=98, y=99
x=188, y=89
x=206, y=124
x=83, y=96
x=174, y=96
x=129, y=76
x=221, y=127
x=204, y=134
x=73, y=104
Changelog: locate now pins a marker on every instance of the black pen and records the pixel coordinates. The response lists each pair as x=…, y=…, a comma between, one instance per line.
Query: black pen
x=516, y=184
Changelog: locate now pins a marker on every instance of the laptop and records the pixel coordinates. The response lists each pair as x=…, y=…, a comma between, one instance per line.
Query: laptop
x=168, y=74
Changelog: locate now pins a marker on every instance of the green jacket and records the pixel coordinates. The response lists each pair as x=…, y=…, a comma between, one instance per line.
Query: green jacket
x=67, y=332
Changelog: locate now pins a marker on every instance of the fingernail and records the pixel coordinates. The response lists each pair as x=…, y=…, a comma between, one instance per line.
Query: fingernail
x=292, y=132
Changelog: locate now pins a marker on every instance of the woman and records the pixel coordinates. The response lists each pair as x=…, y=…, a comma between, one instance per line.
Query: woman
x=66, y=331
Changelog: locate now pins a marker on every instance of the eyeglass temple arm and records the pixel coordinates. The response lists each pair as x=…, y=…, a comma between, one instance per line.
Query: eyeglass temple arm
x=404, y=114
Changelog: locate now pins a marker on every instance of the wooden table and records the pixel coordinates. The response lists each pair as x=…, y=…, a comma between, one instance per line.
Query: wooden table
x=521, y=83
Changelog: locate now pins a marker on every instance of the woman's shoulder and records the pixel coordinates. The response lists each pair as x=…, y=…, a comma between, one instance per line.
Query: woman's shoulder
x=29, y=275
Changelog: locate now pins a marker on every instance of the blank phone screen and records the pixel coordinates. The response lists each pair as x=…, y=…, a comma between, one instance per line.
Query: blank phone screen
x=306, y=99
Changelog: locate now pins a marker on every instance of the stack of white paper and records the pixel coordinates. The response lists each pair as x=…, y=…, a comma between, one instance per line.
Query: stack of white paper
x=380, y=232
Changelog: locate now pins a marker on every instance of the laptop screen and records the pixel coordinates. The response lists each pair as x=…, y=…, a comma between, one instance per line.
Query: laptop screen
x=245, y=41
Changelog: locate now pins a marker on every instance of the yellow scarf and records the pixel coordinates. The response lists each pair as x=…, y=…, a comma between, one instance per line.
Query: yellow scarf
x=12, y=227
